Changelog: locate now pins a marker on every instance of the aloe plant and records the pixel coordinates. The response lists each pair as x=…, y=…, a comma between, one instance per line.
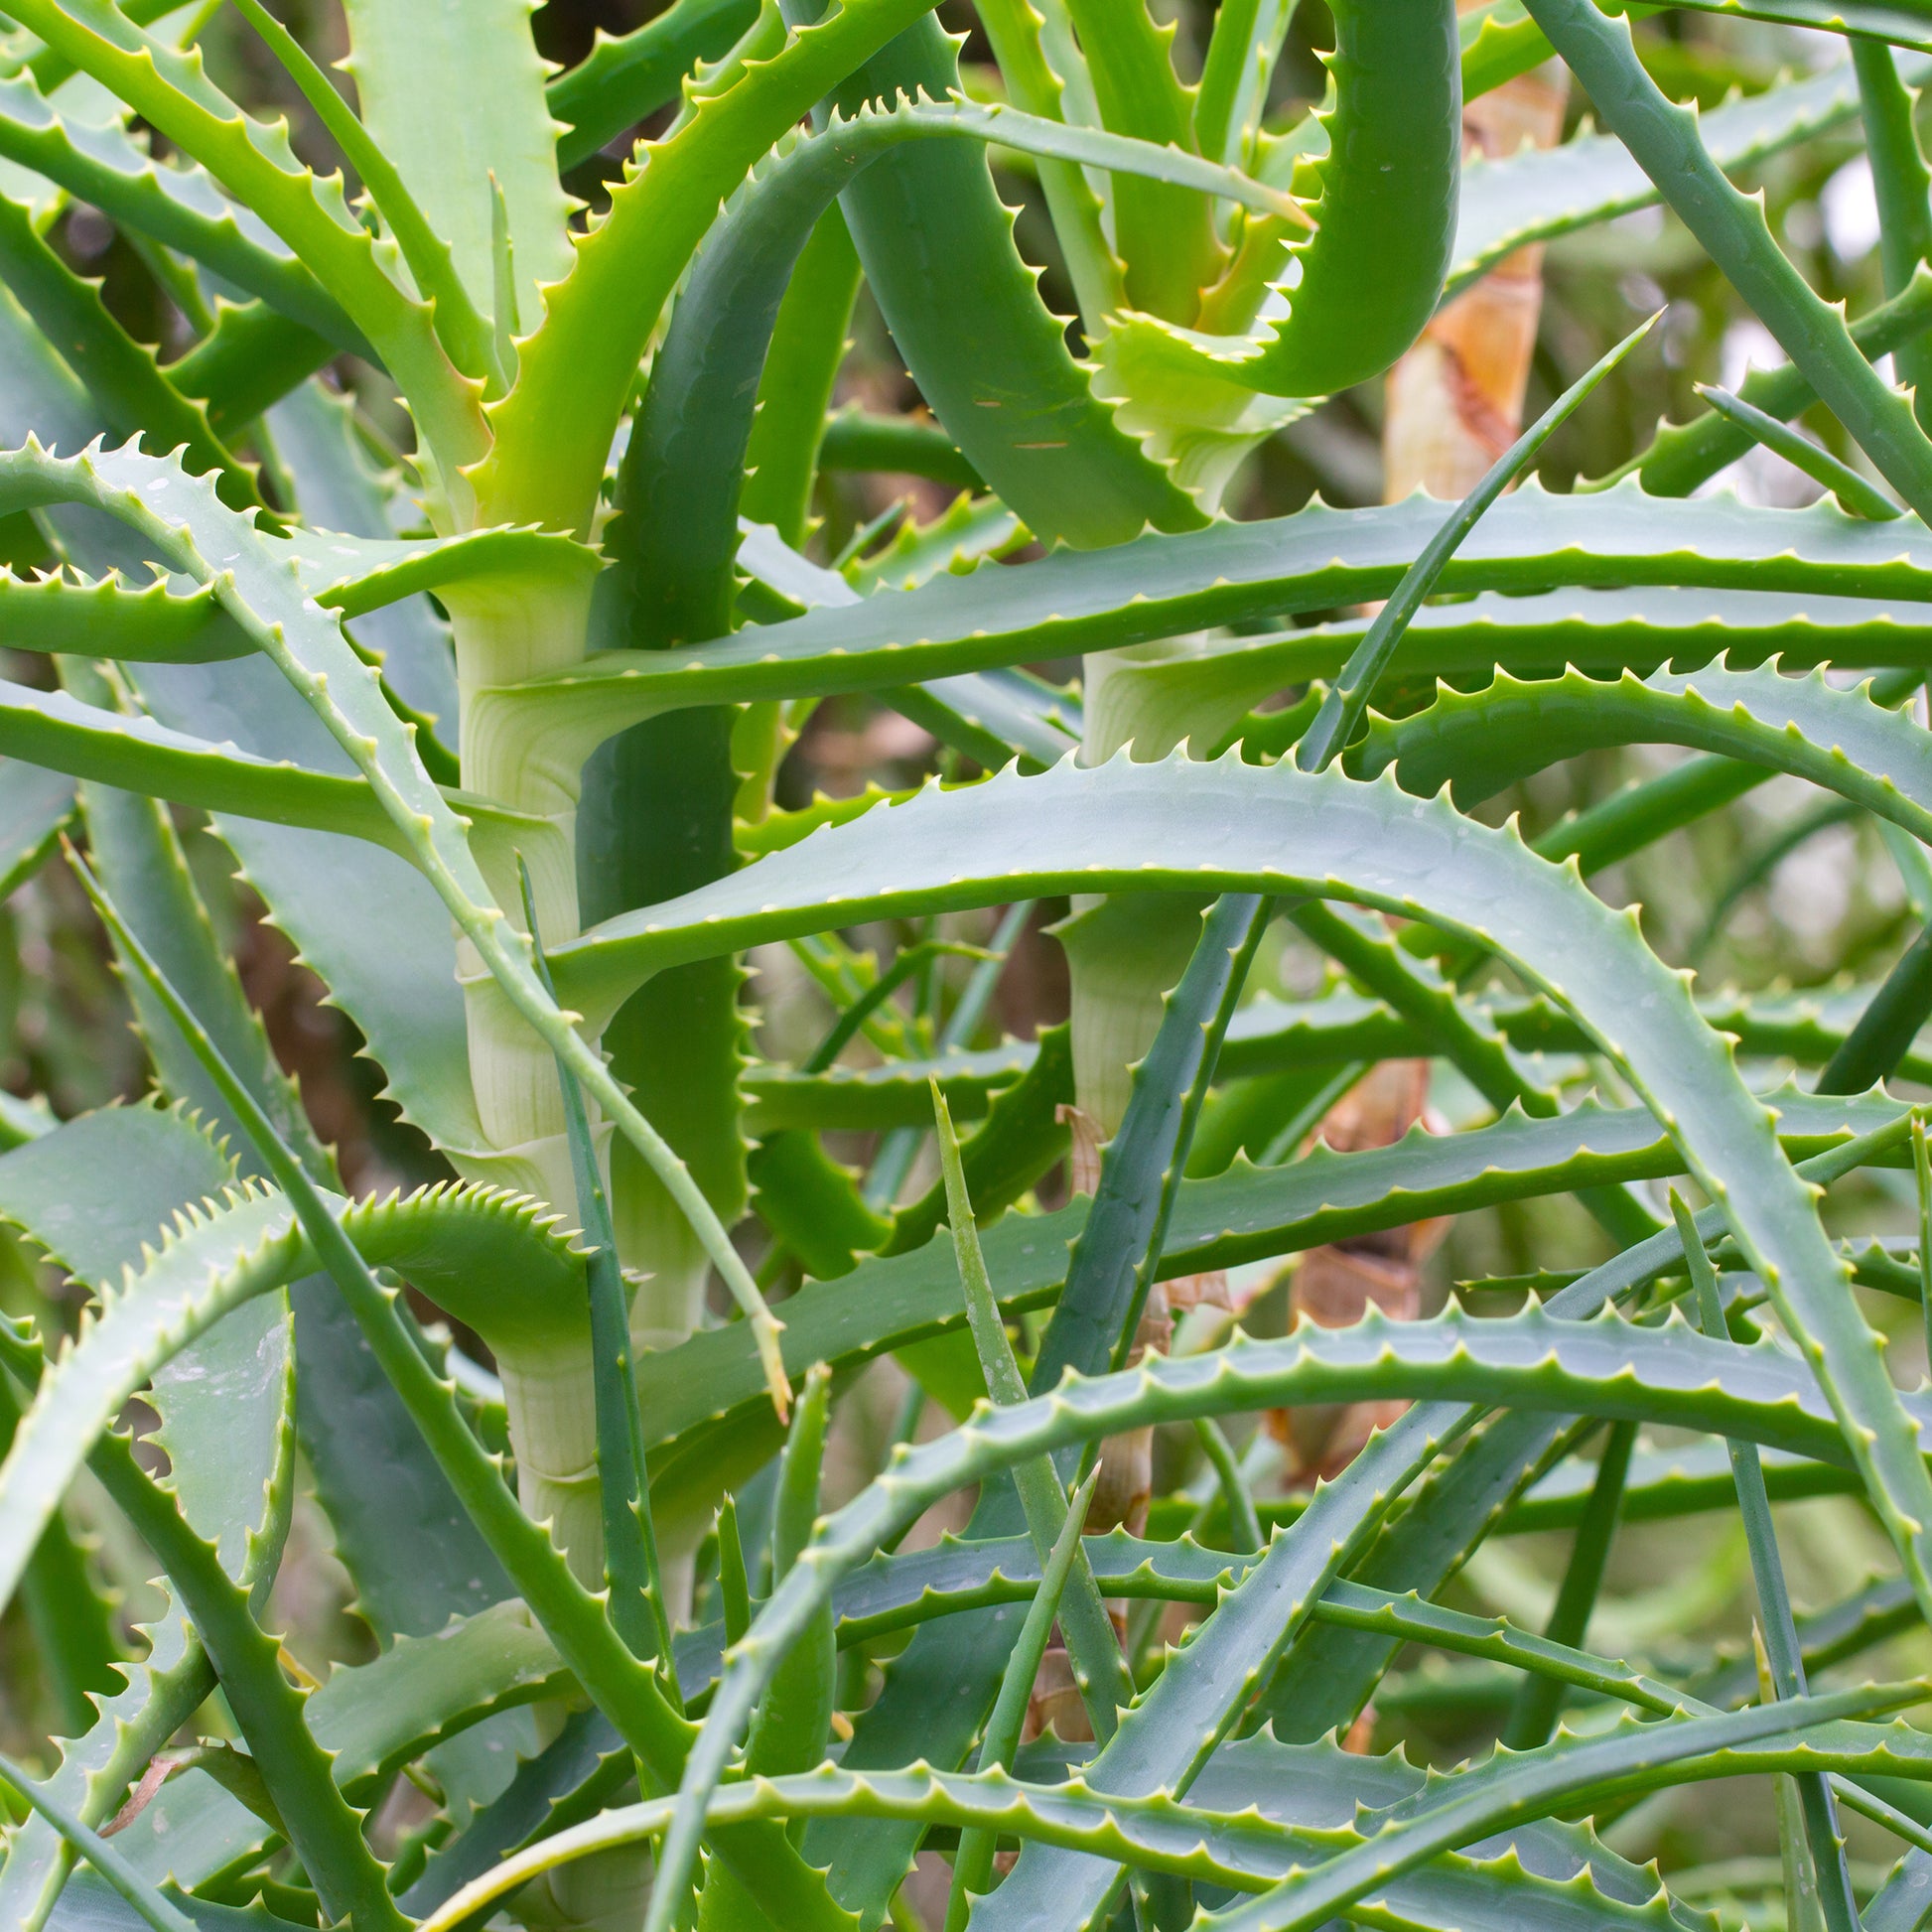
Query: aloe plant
x=469, y=593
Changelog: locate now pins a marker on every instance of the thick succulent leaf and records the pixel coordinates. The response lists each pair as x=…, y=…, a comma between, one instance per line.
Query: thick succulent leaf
x=255, y=163
x=92, y=1193
x=969, y=531
x=158, y=1695
x=250, y=360
x=268, y=1708
x=484, y=119
x=88, y=1905
x=569, y=1779
x=337, y=488
x=1632, y=1757
x=394, y=972
x=412, y=1552
x=1068, y=603
x=357, y=573
x=966, y=315
x=808, y=347
x=892, y=1094
x=1166, y=244
x=129, y=387
x=116, y=619
x=684, y=465
x=575, y=372
x=58, y=732
x=1630, y=1372
x=1240, y=1852
x=1122, y=1242
x=628, y=1692
x=160, y=622
x=264, y=593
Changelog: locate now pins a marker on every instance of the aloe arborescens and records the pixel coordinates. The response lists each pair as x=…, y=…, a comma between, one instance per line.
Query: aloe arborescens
x=492, y=728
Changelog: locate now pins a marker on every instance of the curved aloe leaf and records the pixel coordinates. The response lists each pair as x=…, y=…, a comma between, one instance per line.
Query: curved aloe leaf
x=417, y=1697
x=464, y=332
x=495, y=1258
x=625, y=78
x=1236, y=1851
x=684, y=464
x=1335, y=723
x=1632, y=1757
x=134, y=394
x=238, y=1389
x=486, y=122
x=257, y=164
x=1384, y=202
x=159, y=1912
x=576, y=370
x=1837, y=739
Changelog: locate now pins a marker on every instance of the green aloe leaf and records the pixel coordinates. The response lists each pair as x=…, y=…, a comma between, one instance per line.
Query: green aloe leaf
x=257, y=164
x=1634, y=1757
x=627, y=77
x=1341, y=710
x=1383, y=200
x=1232, y=1851
x=486, y=119
x=1234, y=574
x=576, y=370
x=504, y=1273
x=969, y=320
x=704, y=1395
x=1840, y=740
x=463, y=330
x=133, y=393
